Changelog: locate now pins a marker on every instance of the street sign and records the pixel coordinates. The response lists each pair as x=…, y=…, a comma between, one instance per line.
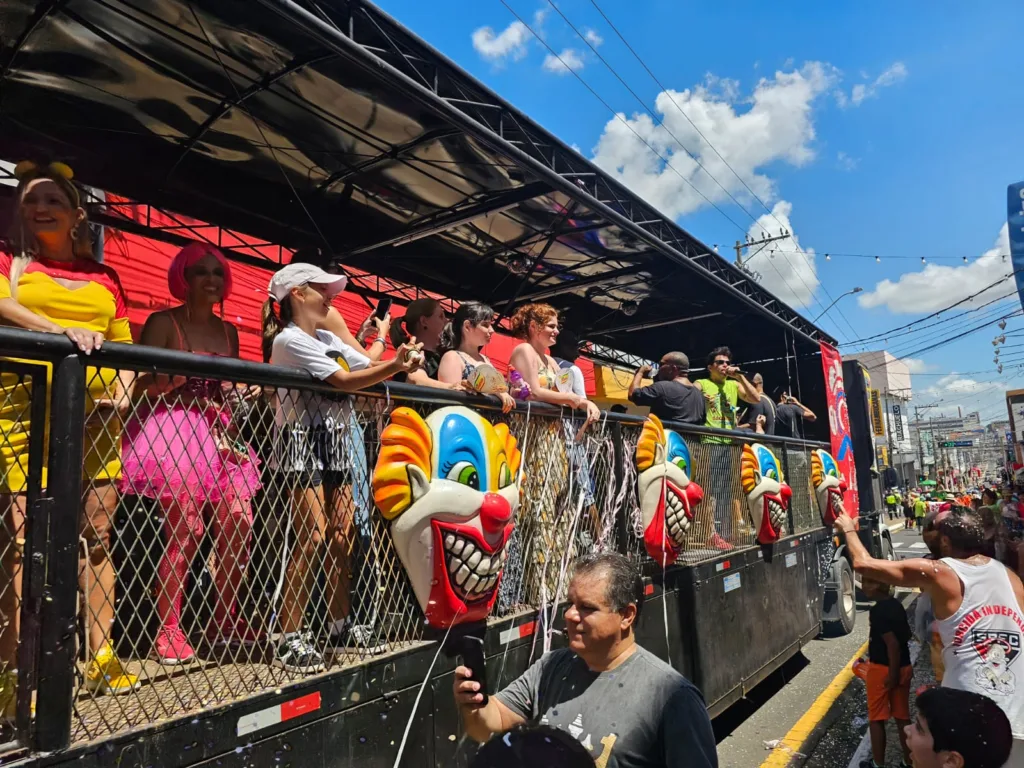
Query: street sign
x=877, y=424
x=1015, y=224
x=897, y=420
x=957, y=444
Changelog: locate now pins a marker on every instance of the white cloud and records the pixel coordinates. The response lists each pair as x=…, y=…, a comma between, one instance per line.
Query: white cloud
x=788, y=63
x=509, y=44
x=963, y=393
x=564, y=63
x=593, y=37
x=861, y=92
x=938, y=286
x=789, y=274
x=846, y=163
x=917, y=365
x=776, y=125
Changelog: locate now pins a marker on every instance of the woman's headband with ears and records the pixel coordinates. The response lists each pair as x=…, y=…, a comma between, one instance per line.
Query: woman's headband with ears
x=27, y=167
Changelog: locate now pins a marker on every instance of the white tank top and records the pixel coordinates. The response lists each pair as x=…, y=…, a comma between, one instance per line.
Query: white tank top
x=981, y=642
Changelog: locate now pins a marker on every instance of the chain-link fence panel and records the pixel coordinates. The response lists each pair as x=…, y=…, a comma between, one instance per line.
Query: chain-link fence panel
x=237, y=537
x=23, y=420
x=803, y=506
x=231, y=546
x=722, y=520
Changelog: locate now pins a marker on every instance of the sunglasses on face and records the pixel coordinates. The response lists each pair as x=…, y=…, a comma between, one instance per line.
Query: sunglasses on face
x=720, y=362
x=204, y=272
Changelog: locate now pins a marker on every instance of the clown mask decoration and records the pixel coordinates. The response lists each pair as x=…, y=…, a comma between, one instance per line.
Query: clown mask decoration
x=667, y=495
x=450, y=487
x=767, y=495
x=829, y=486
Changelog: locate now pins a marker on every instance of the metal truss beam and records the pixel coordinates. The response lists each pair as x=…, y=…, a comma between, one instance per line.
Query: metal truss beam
x=452, y=218
x=653, y=324
x=572, y=285
x=395, y=153
x=228, y=104
x=370, y=38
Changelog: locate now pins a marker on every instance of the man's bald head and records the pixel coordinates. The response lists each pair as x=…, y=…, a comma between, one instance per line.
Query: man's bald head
x=677, y=360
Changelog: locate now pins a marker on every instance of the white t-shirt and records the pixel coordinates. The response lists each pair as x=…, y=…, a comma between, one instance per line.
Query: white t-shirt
x=321, y=356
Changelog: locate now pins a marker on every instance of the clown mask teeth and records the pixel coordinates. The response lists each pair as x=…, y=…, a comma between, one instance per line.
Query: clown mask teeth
x=474, y=572
x=776, y=513
x=677, y=519
x=448, y=486
x=667, y=494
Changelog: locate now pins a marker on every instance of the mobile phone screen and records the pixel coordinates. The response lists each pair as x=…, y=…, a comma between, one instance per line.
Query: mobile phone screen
x=473, y=657
x=383, y=307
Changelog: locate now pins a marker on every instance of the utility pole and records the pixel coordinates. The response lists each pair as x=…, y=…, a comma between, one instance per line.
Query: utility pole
x=748, y=243
x=920, y=433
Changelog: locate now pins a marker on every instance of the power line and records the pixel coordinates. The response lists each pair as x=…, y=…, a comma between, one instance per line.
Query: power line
x=693, y=125
x=933, y=314
x=661, y=123
x=879, y=257
x=620, y=118
x=955, y=324
x=951, y=319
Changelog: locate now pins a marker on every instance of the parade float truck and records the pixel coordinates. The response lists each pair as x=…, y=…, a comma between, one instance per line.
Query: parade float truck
x=852, y=441
x=264, y=126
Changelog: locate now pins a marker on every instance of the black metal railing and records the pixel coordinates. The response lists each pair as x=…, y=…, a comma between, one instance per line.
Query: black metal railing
x=159, y=582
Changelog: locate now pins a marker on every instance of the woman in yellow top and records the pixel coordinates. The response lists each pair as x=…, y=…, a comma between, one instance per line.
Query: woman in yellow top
x=54, y=284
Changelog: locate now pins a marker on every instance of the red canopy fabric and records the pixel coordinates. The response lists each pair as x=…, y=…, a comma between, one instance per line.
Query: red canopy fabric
x=142, y=265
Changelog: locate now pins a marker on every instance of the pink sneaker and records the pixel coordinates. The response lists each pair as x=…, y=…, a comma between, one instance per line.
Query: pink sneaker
x=718, y=542
x=172, y=647
x=235, y=631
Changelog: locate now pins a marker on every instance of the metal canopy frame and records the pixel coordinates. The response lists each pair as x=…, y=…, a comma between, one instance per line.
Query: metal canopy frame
x=422, y=66
x=549, y=181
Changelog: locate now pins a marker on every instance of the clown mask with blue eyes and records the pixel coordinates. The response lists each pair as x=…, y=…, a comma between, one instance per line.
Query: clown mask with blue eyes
x=767, y=494
x=829, y=486
x=449, y=485
x=667, y=495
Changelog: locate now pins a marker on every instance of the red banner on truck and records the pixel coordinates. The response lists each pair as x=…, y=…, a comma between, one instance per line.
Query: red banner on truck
x=839, y=424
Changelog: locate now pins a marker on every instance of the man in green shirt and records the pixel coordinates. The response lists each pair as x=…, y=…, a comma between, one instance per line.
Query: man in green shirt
x=920, y=510
x=723, y=390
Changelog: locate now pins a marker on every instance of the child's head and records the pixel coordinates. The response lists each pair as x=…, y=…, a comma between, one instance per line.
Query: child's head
x=958, y=729
x=876, y=590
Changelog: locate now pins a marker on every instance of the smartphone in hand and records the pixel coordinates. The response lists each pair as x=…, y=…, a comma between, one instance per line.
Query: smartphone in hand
x=383, y=307
x=473, y=657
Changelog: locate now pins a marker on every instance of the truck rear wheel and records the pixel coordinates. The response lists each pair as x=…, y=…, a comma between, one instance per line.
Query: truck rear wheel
x=839, y=614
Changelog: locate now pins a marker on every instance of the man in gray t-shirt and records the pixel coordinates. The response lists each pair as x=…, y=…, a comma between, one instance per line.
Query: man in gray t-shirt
x=626, y=706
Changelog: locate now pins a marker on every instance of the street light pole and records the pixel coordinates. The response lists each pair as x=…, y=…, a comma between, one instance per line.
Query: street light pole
x=835, y=301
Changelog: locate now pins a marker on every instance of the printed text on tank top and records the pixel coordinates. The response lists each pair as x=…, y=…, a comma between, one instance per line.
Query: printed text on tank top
x=983, y=640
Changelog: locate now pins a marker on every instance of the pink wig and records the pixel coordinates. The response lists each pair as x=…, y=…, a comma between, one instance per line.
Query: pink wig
x=187, y=257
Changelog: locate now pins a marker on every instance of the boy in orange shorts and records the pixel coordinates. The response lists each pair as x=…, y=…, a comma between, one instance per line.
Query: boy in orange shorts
x=889, y=670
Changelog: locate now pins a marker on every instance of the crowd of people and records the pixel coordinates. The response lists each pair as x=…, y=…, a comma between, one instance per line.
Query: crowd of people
x=179, y=447
x=970, y=616
x=174, y=440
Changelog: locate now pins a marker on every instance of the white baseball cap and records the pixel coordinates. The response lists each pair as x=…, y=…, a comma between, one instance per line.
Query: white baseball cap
x=295, y=275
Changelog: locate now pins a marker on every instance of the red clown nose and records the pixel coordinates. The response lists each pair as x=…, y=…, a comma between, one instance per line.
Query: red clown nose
x=494, y=512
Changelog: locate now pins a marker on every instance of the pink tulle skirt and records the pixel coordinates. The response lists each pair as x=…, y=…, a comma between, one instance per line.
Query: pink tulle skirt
x=174, y=454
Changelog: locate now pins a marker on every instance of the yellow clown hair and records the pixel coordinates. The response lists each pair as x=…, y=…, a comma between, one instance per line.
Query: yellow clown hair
x=651, y=437
x=748, y=469
x=512, y=453
x=406, y=440
x=817, y=469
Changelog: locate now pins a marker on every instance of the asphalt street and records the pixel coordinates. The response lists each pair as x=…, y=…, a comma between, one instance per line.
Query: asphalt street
x=746, y=732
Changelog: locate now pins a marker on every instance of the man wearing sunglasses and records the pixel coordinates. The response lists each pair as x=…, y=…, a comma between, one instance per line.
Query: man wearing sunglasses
x=723, y=389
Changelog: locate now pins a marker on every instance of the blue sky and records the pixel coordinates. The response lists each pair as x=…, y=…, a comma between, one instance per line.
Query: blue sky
x=867, y=128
